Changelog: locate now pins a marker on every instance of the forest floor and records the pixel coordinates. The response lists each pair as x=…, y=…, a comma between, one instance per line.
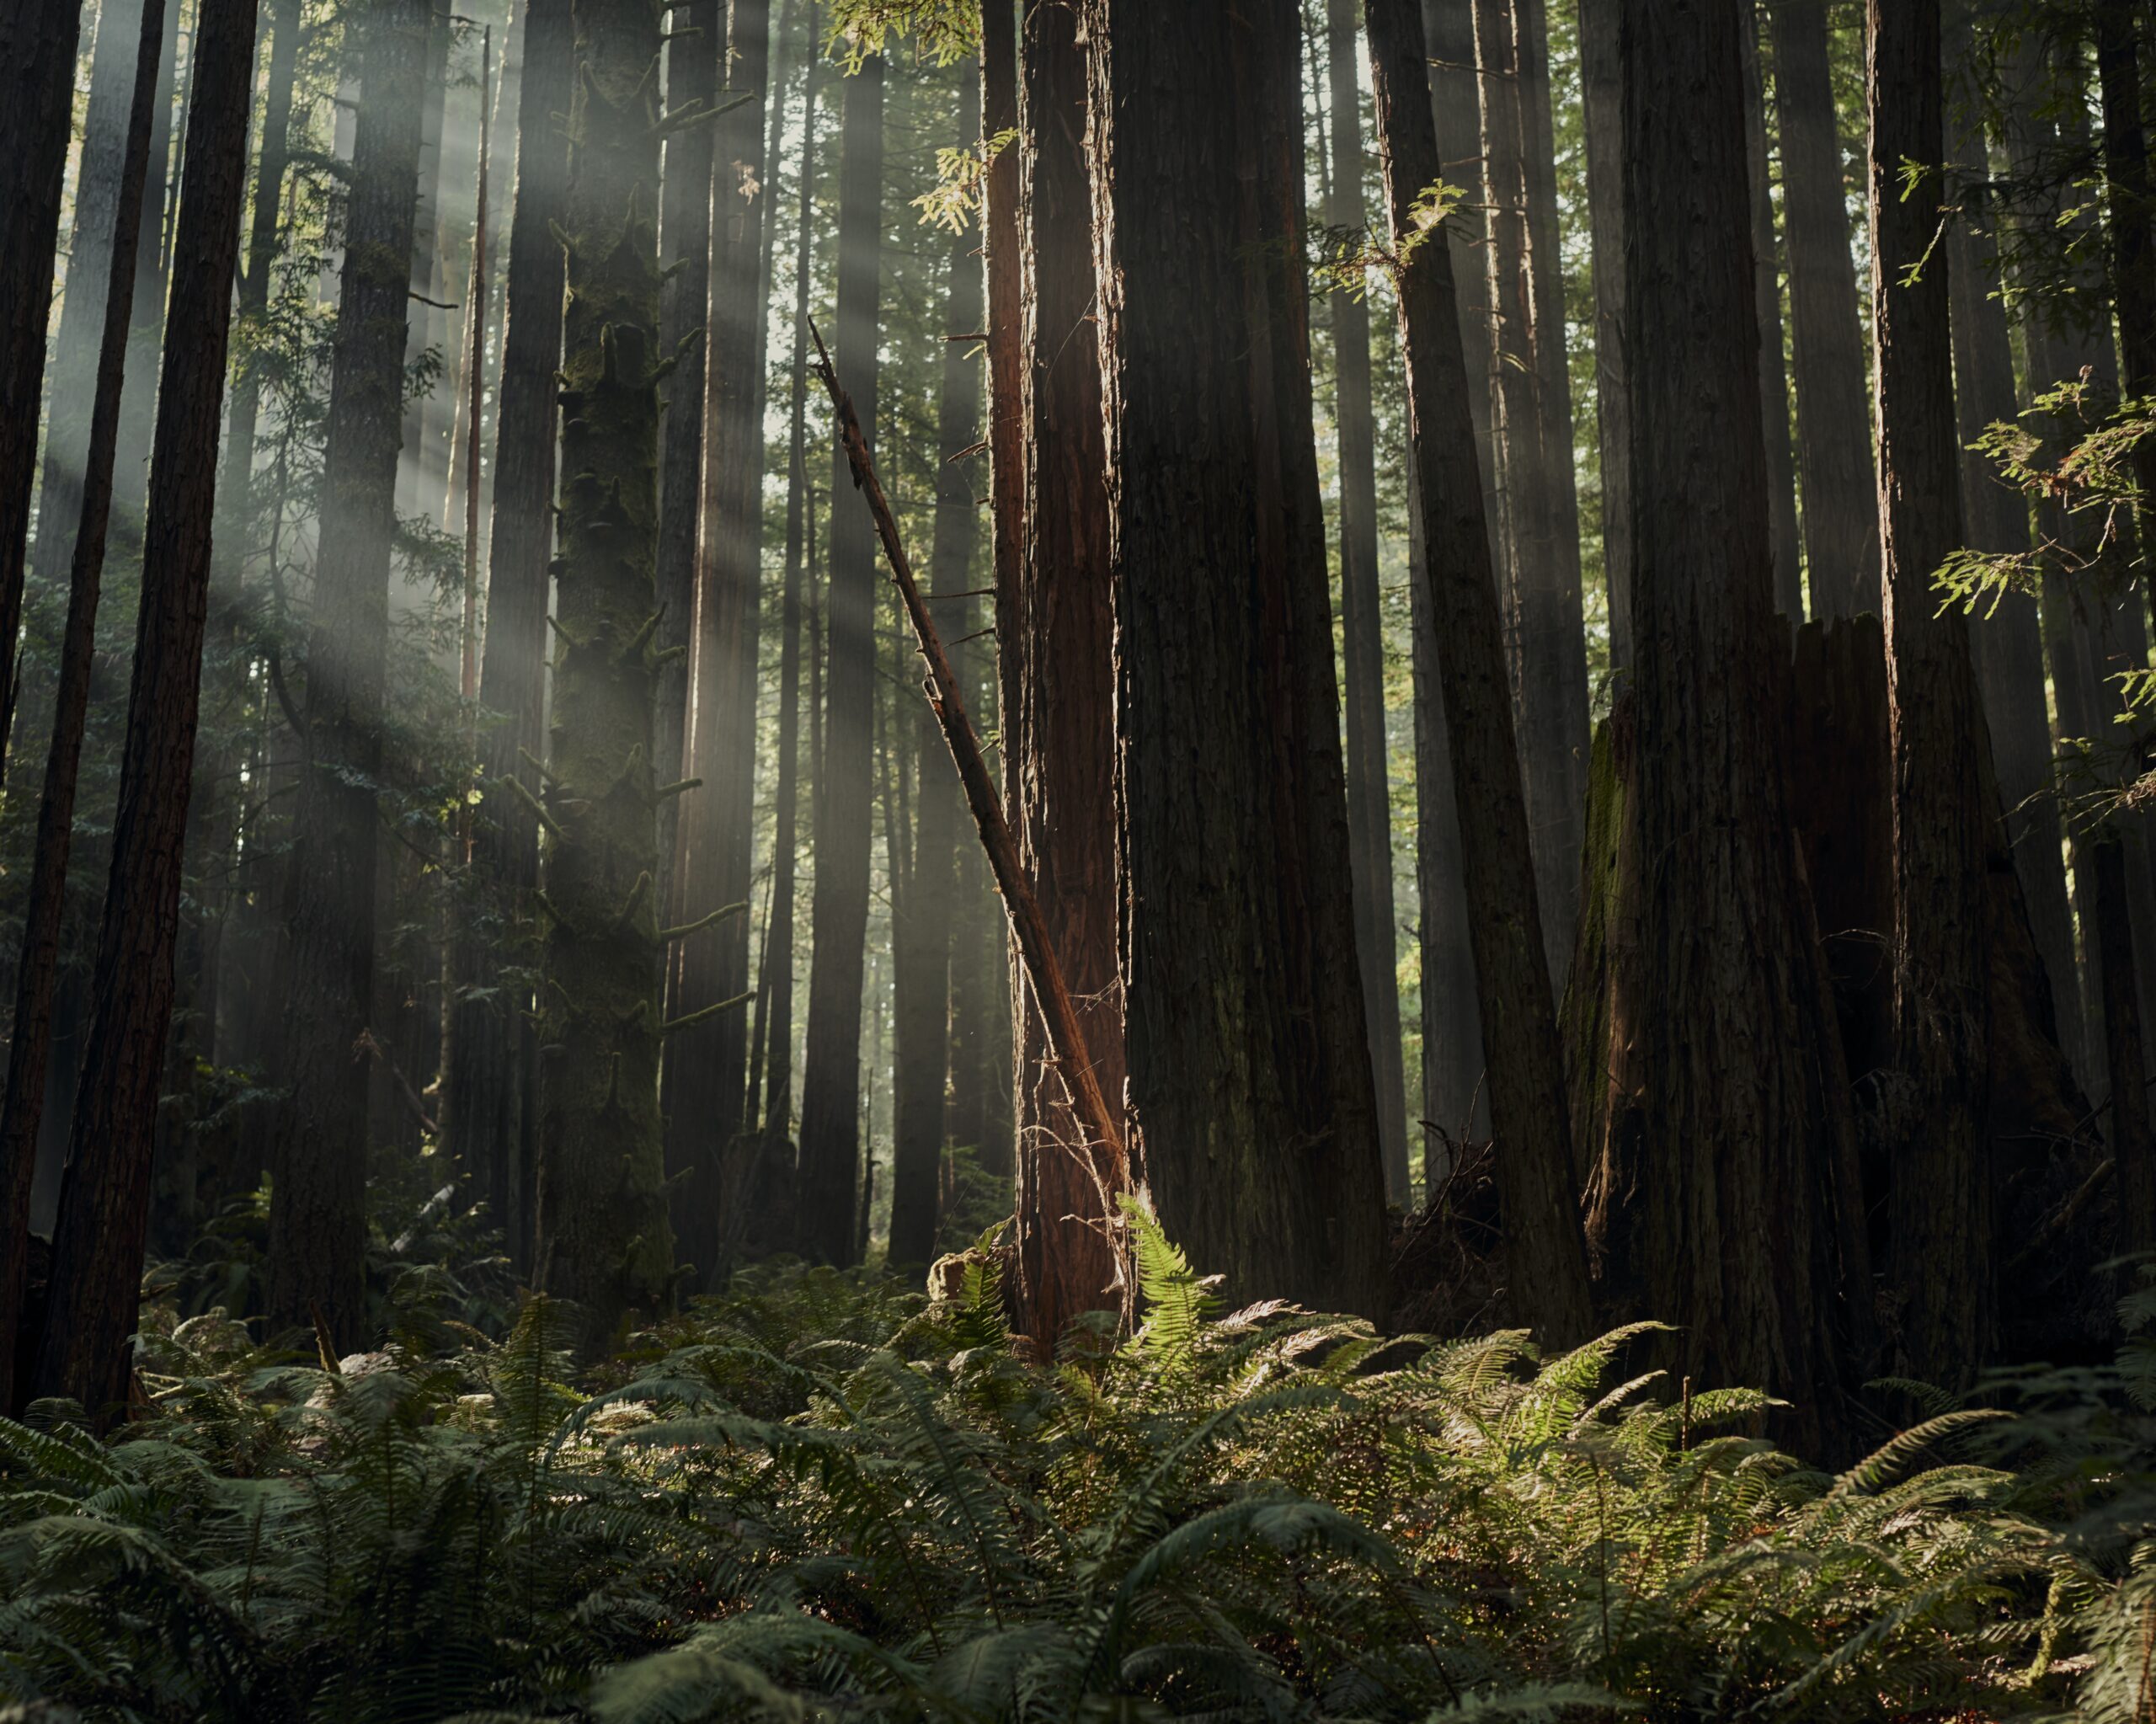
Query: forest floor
x=824, y=1497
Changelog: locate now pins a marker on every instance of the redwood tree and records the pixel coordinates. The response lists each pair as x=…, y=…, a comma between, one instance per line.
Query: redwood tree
x=90, y=1309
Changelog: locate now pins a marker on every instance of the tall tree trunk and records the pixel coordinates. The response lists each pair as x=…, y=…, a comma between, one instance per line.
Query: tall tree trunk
x=1602, y=96
x=1370, y=794
x=921, y=943
x=1256, y=1114
x=1057, y=636
x=1728, y=1106
x=138, y=404
x=490, y=1120
x=1541, y=584
x=318, y=1216
x=2133, y=225
x=1783, y=531
x=30, y=1054
x=1546, y=1259
x=830, y=1127
x=778, y=1084
x=37, y=50
x=603, y=1237
x=90, y=1310
x=1940, y=1209
x=693, y=63
x=76, y=351
x=1834, y=427
x=708, y=1080
x=423, y=474
x=2006, y=638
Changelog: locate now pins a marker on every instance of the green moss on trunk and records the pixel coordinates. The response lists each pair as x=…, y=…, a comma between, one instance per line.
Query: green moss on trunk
x=604, y=1237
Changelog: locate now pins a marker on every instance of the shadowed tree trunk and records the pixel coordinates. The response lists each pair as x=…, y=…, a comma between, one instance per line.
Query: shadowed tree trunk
x=491, y=1120
x=91, y=1306
x=30, y=1050
x=830, y=1108
x=1363, y=675
x=2006, y=639
x=708, y=1082
x=2133, y=225
x=37, y=51
x=1833, y=424
x=1256, y=1114
x=138, y=403
x=1727, y=1109
x=1058, y=690
x=920, y=957
x=1941, y=1189
x=1603, y=122
x=1546, y=1260
x=318, y=1217
x=603, y=1238
x=1773, y=379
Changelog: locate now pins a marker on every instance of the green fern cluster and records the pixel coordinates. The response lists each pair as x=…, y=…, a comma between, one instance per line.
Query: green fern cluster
x=823, y=1498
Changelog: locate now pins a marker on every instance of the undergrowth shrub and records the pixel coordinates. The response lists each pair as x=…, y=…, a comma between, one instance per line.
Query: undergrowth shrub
x=822, y=1497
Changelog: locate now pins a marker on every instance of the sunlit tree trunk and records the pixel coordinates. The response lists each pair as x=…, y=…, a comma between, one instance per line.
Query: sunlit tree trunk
x=318, y=1219
x=92, y=1306
x=1773, y=378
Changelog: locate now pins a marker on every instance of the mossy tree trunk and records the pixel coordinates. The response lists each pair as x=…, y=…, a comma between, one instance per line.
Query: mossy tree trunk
x=604, y=1239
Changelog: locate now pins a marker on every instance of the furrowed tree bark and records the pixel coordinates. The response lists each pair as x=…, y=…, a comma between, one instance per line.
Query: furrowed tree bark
x=30, y=1055
x=1257, y=1113
x=37, y=50
x=921, y=1029
x=1833, y=434
x=1057, y=665
x=1546, y=1262
x=1940, y=1207
x=490, y=1113
x=2006, y=638
x=1727, y=1112
x=603, y=1237
x=318, y=1255
x=1540, y=587
x=830, y=1130
x=1370, y=794
x=708, y=1077
x=90, y=1309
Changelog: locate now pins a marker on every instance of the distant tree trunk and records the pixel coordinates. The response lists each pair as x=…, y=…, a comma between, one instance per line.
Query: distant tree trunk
x=1602, y=100
x=778, y=1105
x=318, y=1216
x=1370, y=795
x=1256, y=1114
x=491, y=1121
x=2006, y=639
x=37, y=74
x=830, y=1109
x=423, y=474
x=94, y=1295
x=1540, y=584
x=985, y=984
x=1728, y=1110
x=920, y=955
x=1834, y=427
x=2132, y=226
x=1940, y=1211
x=138, y=401
x=708, y=1064
x=1773, y=378
x=76, y=351
x=604, y=1240
x=1057, y=633
x=30, y=1051
x=1546, y=1257
x=693, y=63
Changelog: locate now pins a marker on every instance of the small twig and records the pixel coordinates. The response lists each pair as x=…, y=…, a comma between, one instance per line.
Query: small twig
x=668, y=935
x=687, y=1019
